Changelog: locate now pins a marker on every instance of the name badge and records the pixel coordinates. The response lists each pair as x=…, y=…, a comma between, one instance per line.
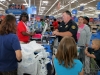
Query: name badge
x=60, y=26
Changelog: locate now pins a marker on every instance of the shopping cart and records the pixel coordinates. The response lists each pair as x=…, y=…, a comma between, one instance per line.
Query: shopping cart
x=91, y=67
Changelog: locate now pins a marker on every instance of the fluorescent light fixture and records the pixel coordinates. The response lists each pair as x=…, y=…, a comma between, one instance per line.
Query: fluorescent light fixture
x=91, y=1
x=51, y=7
x=25, y=4
x=45, y=1
x=90, y=10
x=80, y=11
x=43, y=7
x=13, y=3
x=1, y=8
x=97, y=12
x=73, y=1
x=2, y=0
x=89, y=14
x=9, y=0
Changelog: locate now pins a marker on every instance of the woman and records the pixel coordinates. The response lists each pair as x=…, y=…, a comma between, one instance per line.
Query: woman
x=66, y=62
x=23, y=31
x=84, y=33
x=83, y=36
x=10, y=50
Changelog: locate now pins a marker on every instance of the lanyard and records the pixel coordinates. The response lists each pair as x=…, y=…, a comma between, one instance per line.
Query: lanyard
x=28, y=30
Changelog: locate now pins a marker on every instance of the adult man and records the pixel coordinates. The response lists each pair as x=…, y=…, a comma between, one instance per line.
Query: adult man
x=67, y=27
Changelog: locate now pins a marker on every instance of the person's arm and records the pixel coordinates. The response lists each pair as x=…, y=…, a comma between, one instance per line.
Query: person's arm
x=88, y=54
x=18, y=55
x=17, y=48
x=88, y=35
x=73, y=30
x=22, y=29
x=91, y=55
x=82, y=72
x=27, y=34
x=67, y=33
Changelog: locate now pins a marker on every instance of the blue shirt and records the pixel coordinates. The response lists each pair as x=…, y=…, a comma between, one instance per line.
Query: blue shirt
x=8, y=45
x=61, y=70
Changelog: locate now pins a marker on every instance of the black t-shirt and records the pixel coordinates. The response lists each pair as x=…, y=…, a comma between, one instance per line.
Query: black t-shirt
x=71, y=26
x=97, y=55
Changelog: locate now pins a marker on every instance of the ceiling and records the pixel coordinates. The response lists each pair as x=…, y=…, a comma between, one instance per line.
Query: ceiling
x=49, y=7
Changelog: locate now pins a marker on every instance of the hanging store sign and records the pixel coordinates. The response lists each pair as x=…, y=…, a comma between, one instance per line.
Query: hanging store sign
x=99, y=16
x=81, y=8
x=74, y=11
x=14, y=11
x=32, y=10
x=98, y=6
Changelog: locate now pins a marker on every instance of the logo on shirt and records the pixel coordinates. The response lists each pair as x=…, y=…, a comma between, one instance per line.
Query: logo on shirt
x=73, y=27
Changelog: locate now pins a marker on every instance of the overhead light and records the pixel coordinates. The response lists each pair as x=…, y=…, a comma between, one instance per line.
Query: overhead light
x=91, y=1
x=90, y=10
x=89, y=14
x=25, y=4
x=83, y=4
x=9, y=0
x=1, y=8
x=73, y=1
x=80, y=11
x=2, y=0
x=97, y=12
x=13, y=3
x=43, y=7
x=45, y=2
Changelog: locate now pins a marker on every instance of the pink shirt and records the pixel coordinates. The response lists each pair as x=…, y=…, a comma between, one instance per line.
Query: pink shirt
x=80, y=28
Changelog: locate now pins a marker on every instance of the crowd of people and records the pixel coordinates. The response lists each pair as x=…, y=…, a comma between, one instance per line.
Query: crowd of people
x=69, y=34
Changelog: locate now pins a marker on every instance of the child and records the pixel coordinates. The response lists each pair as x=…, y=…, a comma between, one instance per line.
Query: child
x=66, y=62
x=94, y=52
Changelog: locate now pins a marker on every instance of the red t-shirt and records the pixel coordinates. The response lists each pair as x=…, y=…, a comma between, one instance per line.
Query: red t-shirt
x=55, y=25
x=22, y=28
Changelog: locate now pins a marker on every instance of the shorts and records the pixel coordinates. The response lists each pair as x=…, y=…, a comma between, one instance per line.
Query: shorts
x=14, y=72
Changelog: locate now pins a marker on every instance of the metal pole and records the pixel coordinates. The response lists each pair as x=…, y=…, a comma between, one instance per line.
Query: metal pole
x=70, y=5
x=29, y=6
